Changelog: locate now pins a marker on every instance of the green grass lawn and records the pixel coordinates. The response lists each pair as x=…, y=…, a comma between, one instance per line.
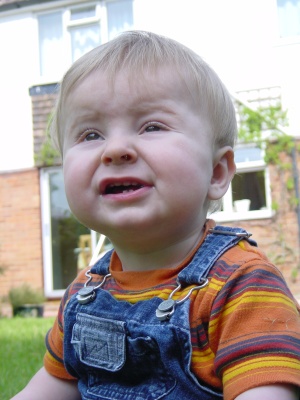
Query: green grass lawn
x=21, y=352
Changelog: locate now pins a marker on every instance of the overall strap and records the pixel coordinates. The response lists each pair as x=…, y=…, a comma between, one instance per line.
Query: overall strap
x=101, y=267
x=217, y=242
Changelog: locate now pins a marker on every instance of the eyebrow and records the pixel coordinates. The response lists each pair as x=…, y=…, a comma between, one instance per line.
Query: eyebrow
x=151, y=106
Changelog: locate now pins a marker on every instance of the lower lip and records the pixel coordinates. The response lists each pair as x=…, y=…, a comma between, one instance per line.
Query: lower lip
x=128, y=196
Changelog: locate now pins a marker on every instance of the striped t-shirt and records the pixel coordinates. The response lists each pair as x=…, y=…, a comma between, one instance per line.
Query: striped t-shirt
x=245, y=324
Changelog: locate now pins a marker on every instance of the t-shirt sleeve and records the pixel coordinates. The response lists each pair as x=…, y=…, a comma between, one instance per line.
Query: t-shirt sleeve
x=256, y=329
x=53, y=358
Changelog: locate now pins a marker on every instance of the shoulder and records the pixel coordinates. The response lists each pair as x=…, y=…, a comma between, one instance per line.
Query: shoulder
x=238, y=258
x=251, y=320
x=244, y=270
x=243, y=261
x=243, y=278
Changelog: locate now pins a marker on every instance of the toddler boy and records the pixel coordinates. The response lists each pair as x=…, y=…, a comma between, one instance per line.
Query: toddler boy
x=181, y=309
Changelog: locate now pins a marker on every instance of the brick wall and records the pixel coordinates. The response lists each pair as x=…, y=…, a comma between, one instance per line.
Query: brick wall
x=278, y=236
x=20, y=230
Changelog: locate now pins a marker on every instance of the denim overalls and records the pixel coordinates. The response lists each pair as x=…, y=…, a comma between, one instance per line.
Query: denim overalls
x=123, y=351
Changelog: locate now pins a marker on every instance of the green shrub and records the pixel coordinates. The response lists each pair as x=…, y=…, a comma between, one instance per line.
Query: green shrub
x=24, y=295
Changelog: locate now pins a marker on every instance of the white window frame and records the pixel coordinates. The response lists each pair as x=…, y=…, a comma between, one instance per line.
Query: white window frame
x=229, y=214
x=100, y=18
x=50, y=292
x=289, y=38
x=46, y=234
x=67, y=23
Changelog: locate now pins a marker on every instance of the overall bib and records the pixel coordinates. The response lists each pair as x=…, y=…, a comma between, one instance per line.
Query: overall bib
x=123, y=351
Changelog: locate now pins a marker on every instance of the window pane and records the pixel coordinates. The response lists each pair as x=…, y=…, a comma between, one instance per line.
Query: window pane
x=247, y=154
x=51, y=43
x=82, y=13
x=84, y=39
x=119, y=17
x=289, y=17
x=250, y=185
x=100, y=246
x=67, y=235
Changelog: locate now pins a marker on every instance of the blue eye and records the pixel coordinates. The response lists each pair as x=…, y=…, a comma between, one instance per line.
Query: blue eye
x=92, y=136
x=153, y=128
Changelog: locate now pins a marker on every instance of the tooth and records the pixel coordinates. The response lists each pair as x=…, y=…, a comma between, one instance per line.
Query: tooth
x=123, y=184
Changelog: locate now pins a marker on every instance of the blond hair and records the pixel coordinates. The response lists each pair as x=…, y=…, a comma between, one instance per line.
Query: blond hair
x=140, y=53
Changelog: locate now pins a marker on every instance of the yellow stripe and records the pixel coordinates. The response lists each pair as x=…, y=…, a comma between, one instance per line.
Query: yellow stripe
x=261, y=363
x=162, y=294
x=259, y=297
x=132, y=297
x=256, y=372
x=216, y=285
x=199, y=357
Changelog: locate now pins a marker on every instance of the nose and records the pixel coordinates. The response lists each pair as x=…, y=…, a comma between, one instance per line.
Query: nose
x=118, y=152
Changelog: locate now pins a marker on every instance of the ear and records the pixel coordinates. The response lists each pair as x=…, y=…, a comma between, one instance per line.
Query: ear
x=223, y=171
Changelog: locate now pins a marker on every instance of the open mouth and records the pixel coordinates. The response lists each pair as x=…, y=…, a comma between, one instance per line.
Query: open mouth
x=117, y=188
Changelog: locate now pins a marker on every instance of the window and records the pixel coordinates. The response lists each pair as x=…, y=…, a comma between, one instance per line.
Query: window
x=288, y=18
x=249, y=186
x=248, y=196
x=67, y=34
x=68, y=246
x=84, y=30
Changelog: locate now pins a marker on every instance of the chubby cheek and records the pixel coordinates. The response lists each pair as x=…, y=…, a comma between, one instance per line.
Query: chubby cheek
x=191, y=166
x=71, y=189
x=187, y=183
x=76, y=184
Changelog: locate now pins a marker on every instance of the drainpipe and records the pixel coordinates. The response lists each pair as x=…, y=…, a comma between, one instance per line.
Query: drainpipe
x=296, y=185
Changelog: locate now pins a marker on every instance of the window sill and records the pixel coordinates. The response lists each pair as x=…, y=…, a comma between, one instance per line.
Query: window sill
x=245, y=216
x=40, y=90
x=288, y=40
x=55, y=294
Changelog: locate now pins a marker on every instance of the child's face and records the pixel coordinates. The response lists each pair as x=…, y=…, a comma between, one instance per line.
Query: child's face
x=138, y=157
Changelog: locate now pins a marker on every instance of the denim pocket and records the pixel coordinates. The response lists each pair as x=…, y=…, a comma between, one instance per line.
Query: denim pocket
x=143, y=376
x=98, y=342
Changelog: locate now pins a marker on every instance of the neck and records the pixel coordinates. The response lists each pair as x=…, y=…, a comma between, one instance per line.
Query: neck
x=167, y=256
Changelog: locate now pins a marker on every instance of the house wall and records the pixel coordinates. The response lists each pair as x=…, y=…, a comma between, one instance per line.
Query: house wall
x=278, y=237
x=19, y=67
x=20, y=230
x=231, y=36
x=21, y=237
